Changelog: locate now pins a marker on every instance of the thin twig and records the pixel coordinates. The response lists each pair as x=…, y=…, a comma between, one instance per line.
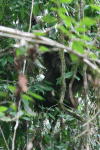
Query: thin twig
x=70, y=112
x=87, y=136
x=7, y=119
x=16, y=126
x=24, y=65
x=92, y=118
x=31, y=16
x=82, y=133
x=2, y=50
x=4, y=138
x=51, y=107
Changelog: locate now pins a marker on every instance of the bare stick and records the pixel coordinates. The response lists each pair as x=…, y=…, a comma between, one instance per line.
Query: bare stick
x=16, y=126
x=4, y=138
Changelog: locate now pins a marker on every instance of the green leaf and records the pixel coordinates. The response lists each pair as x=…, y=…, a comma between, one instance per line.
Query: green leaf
x=92, y=55
x=10, y=59
x=26, y=118
x=74, y=57
x=57, y=109
x=1, y=3
x=36, y=3
x=3, y=108
x=1, y=86
x=53, y=9
x=58, y=81
x=39, y=33
x=62, y=10
x=25, y=101
x=49, y=19
x=20, y=51
x=77, y=45
x=84, y=37
x=88, y=22
x=77, y=78
x=1, y=14
x=47, y=82
x=67, y=20
x=43, y=48
x=65, y=1
x=12, y=88
x=53, y=1
x=60, y=147
x=68, y=74
x=21, y=3
x=41, y=87
x=36, y=27
x=36, y=9
x=48, y=138
x=3, y=94
x=47, y=141
x=81, y=29
x=51, y=116
x=4, y=61
x=63, y=29
x=95, y=7
x=36, y=96
x=22, y=14
x=27, y=97
x=13, y=106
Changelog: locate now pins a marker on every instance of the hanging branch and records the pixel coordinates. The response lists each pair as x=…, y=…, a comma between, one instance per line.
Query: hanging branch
x=19, y=103
x=62, y=58
x=32, y=38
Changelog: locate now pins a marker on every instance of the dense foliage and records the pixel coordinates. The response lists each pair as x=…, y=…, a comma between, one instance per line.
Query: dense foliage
x=69, y=31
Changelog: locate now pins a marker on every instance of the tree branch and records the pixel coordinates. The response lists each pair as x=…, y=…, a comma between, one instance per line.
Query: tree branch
x=32, y=38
